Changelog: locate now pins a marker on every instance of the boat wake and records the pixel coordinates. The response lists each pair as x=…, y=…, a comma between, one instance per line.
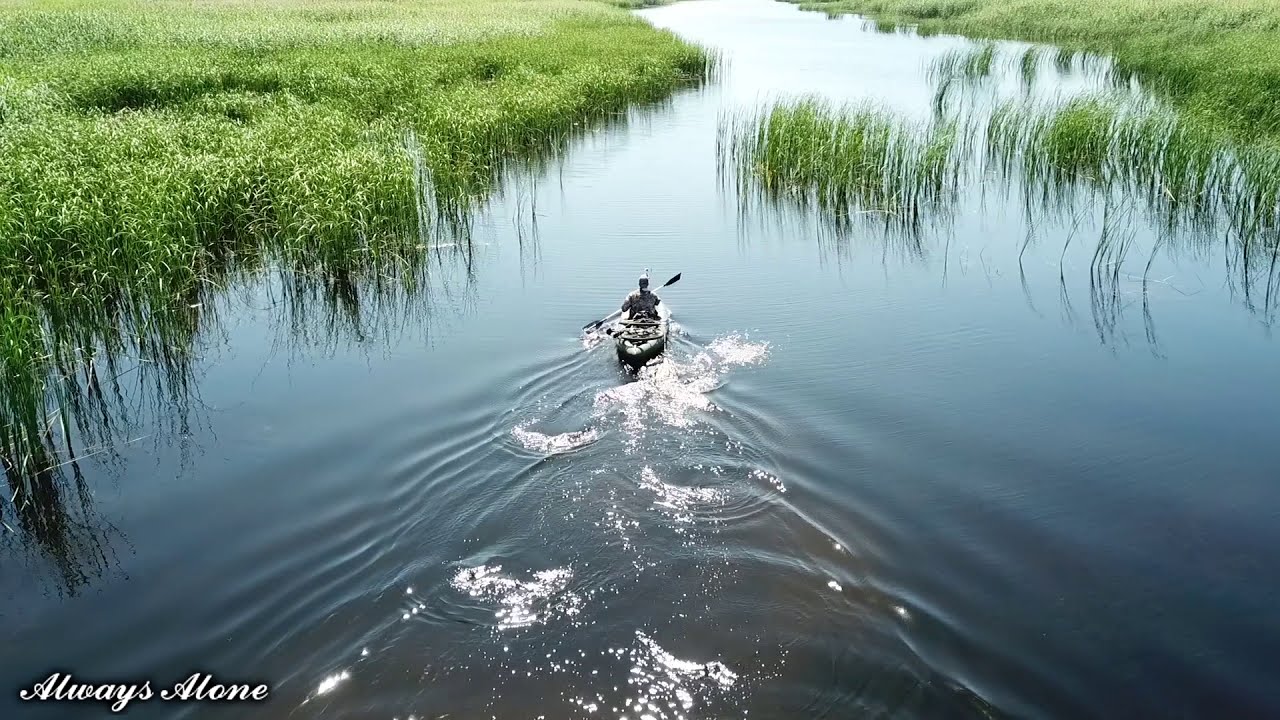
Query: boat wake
x=521, y=603
x=670, y=392
x=553, y=444
x=663, y=686
x=681, y=504
x=554, y=626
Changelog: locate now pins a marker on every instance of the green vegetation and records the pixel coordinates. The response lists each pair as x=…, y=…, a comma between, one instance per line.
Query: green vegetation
x=1181, y=173
x=1063, y=156
x=968, y=63
x=846, y=159
x=1029, y=64
x=1215, y=59
x=965, y=65
x=155, y=151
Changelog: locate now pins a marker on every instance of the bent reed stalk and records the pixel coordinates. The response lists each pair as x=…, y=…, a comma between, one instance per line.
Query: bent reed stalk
x=156, y=151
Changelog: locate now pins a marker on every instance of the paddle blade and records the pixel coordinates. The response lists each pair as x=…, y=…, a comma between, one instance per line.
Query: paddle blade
x=673, y=280
x=598, y=323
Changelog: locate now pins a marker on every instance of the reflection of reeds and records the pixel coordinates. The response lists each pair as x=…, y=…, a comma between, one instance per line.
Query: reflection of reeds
x=61, y=527
x=90, y=383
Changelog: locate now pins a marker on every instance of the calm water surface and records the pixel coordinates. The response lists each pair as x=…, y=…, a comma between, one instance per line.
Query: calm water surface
x=873, y=477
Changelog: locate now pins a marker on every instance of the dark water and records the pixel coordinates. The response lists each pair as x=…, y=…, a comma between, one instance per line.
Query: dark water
x=873, y=478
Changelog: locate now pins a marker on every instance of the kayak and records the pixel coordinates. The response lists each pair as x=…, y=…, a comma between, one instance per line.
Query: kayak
x=639, y=341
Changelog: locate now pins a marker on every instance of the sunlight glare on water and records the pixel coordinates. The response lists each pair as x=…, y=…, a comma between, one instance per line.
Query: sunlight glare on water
x=521, y=602
x=662, y=686
x=553, y=444
x=672, y=391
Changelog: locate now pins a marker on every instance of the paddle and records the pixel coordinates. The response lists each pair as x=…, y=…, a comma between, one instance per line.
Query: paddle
x=593, y=325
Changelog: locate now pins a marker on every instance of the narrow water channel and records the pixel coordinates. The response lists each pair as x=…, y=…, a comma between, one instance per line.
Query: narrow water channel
x=949, y=476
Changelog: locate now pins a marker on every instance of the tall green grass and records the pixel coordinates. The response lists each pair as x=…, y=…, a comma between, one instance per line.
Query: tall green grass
x=968, y=63
x=1029, y=64
x=1185, y=175
x=1062, y=157
x=848, y=159
x=155, y=151
x=1215, y=59
x=961, y=66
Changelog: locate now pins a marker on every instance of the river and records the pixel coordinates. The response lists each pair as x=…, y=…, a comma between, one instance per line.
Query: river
x=938, y=478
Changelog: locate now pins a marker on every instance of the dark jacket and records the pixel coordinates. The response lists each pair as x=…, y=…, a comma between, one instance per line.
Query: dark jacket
x=642, y=304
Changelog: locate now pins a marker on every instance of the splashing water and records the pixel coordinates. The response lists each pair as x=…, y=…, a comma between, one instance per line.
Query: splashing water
x=733, y=349
x=664, y=687
x=329, y=683
x=677, y=501
x=553, y=444
x=671, y=391
x=771, y=479
x=522, y=602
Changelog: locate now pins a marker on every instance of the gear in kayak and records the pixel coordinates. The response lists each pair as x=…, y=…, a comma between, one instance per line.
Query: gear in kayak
x=641, y=333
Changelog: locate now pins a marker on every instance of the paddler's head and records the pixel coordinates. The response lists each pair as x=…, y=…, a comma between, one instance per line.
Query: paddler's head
x=644, y=281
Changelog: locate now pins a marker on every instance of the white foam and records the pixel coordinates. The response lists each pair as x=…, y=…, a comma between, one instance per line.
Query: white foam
x=520, y=602
x=665, y=687
x=671, y=391
x=554, y=444
x=678, y=502
x=328, y=684
x=735, y=350
x=771, y=479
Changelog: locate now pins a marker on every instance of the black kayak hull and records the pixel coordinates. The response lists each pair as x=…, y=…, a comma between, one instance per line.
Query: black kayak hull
x=638, y=344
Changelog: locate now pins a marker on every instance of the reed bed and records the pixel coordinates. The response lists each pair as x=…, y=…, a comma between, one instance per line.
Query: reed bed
x=1081, y=153
x=156, y=150
x=1214, y=58
x=848, y=159
x=1183, y=174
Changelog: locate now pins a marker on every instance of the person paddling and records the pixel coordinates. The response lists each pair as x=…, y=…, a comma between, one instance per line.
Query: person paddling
x=641, y=303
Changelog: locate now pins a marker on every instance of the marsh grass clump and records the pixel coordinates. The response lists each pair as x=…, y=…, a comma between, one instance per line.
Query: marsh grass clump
x=965, y=63
x=860, y=161
x=1104, y=142
x=855, y=159
x=963, y=66
x=1185, y=175
x=1029, y=65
